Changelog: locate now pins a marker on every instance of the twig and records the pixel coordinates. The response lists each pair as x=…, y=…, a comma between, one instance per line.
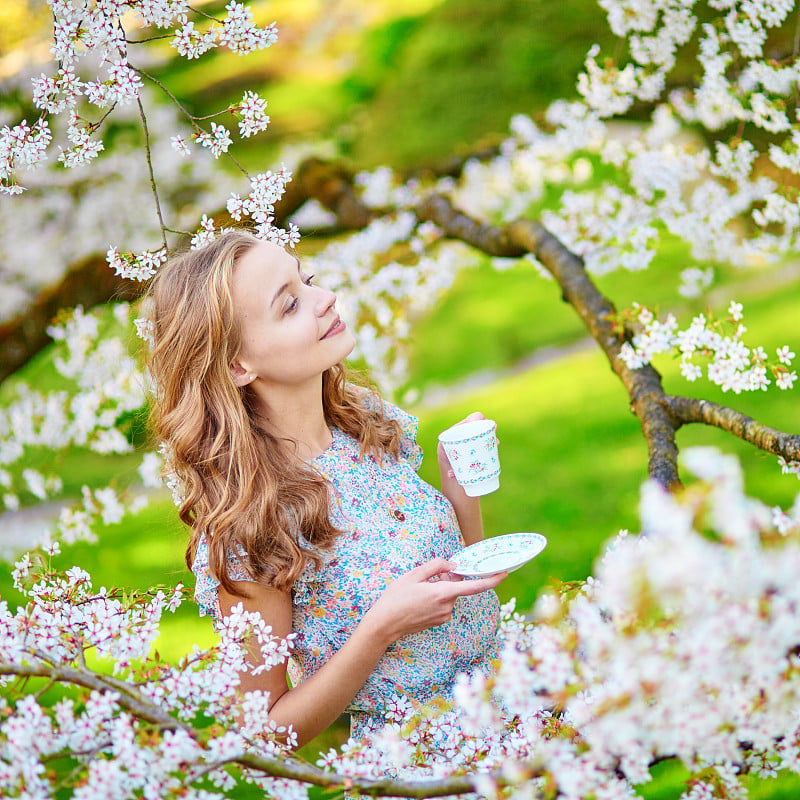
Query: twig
x=150, y=39
x=153, y=185
x=191, y=117
x=201, y=13
x=93, y=126
x=169, y=94
x=46, y=688
x=215, y=114
x=375, y=787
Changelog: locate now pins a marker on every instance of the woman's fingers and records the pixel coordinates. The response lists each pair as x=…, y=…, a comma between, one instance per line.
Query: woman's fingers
x=414, y=602
x=429, y=569
x=477, y=586
x=440, y=568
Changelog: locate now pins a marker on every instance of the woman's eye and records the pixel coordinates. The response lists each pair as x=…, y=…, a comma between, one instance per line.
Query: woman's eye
x=292, y=306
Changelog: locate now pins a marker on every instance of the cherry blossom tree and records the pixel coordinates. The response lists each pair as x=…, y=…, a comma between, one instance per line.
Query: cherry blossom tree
x=661, y=653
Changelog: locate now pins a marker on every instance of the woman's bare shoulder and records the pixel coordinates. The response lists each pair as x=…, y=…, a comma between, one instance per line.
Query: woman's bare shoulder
x=274, y=605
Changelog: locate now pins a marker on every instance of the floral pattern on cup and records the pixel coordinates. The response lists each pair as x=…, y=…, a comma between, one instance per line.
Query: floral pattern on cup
x=471, y=448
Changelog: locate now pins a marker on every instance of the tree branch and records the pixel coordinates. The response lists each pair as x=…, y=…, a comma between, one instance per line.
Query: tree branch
x=331, y=184
x=527, y=236
x=91, y=282
x=660, y=415
x=274, y=767
x=489, y=238
x=90, y=680
x=644, y=385
x=375, y=787
x=686, y=410
x=86, y=283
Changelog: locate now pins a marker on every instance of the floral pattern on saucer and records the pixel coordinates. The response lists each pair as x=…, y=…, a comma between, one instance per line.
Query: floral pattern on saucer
x=500, y=554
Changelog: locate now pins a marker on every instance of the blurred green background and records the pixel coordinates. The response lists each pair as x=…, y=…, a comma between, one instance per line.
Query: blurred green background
x=409, y=84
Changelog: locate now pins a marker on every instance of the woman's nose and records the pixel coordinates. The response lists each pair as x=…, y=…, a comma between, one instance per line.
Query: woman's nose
x=325, y=302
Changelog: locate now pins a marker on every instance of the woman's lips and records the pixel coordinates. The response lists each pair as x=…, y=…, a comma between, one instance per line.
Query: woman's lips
x=337, y=327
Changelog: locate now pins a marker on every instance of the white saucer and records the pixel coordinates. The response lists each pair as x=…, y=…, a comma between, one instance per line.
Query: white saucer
x=499, y=554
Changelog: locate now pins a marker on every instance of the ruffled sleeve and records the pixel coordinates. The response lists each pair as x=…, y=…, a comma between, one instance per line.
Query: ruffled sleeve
x=410, y=451
x=206, y=590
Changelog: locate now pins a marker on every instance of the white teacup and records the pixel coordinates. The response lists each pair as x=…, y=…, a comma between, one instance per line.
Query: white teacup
x=471, y=448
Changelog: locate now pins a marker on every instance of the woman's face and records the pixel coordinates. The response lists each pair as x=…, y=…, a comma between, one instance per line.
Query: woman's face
x=290, y=330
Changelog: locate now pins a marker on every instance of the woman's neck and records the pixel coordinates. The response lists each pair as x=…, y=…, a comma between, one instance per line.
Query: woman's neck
x=296, y=417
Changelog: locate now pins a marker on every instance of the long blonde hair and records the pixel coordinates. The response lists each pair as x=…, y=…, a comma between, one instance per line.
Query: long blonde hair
x=240, y=488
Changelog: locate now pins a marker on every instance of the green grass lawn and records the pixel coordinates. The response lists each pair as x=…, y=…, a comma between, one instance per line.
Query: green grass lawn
x=467, y=68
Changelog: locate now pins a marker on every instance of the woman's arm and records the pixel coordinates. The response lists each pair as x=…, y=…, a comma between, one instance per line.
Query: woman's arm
x=410, y=604
x=468, y=509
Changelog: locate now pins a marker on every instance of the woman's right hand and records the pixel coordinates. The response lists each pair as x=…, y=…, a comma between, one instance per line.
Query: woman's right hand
x=423, y=598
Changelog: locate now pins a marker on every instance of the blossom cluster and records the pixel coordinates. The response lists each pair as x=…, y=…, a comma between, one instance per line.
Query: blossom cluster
x=237, y=31
x=665, y=182
x=23, y=145
x=660, y=654
x=668, y=180
x=135, y=266
x=108, y=383
x=266, y=189
x=253, y=119
x=682, y=645
x=78, y=214
x=131, y=725
x=731, y=364
x=93, y=76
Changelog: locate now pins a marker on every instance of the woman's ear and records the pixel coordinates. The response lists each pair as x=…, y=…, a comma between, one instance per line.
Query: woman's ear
x=239, y=375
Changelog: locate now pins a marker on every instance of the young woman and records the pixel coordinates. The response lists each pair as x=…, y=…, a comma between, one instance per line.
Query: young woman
x=302, y=494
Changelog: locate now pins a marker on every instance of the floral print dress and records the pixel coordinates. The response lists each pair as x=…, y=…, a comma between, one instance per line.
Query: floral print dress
x=392, y=521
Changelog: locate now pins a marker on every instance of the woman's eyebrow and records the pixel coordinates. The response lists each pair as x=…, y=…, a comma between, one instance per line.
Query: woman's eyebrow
x=285, y=285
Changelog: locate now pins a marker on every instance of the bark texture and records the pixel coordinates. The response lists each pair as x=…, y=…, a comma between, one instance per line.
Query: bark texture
x=686, y=410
